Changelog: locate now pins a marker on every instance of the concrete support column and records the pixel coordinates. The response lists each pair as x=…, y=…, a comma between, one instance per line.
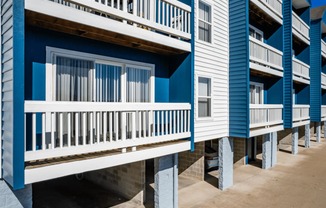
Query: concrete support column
x=317, y=132
x=274, y=148
x=295, y=141
x=225, y=153
x=324, y=129
x=267, y=151
x=307, y=136
x=20, y=198
x=166, y=181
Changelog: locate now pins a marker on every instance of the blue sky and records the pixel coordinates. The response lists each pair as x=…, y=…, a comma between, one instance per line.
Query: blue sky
x=316, y=3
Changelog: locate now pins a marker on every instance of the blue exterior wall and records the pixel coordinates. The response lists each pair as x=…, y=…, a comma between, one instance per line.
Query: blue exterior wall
x=239, y=68
x=287, y=64
x=275, y=39
x=302, y=94
x=315, y=70
x=273, y=89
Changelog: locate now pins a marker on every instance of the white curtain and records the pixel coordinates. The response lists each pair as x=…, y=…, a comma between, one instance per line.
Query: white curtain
x=138, y=81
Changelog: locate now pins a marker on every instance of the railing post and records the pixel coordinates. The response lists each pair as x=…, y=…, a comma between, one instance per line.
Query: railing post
x=124, y=8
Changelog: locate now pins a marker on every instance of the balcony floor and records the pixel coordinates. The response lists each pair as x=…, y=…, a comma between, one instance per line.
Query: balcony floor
x=86, y=31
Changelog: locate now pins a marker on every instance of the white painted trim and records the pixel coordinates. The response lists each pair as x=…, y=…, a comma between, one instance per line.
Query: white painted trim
x=56, y=10
x=64, y=169
x=77, y=150
x=301, y=123
x=62, y=106
x=265, y=69
x=263, y=131
x=300, y=79
x=298, y=34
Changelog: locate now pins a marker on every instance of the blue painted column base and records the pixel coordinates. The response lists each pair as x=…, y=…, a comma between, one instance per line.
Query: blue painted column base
x=307, y=136
x=267, y=151
x=295, y=140
x=318, y=132
x=166, y=181
x=225, y=153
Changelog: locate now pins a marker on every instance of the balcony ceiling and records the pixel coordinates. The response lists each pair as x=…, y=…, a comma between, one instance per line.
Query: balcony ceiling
x=265, y=22
x=73, y=28
x=298, y=4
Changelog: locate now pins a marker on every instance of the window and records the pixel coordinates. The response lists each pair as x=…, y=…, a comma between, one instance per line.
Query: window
x=256, y=93
x=204, y=97
x=256, y=33
x=87, y=77
x=205, y=22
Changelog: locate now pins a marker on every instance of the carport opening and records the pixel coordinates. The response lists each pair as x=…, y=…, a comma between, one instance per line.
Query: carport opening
x=254, y=151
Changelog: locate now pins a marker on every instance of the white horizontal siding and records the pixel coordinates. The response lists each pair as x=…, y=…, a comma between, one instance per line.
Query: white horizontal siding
x=7, y=88
x=212, y=60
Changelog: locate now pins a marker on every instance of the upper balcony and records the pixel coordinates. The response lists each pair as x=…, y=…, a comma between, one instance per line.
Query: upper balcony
x=161, y=26
x=273, y=8
x=265, y=58
x=300, y=29
x=67, y=137
x=265, y=119
x=300, y=71
x=323, y=80
x=323, y=48
x=323, y=112
x=300, y=115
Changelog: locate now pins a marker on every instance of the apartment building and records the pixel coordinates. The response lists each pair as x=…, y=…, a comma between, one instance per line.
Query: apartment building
x=88, y=85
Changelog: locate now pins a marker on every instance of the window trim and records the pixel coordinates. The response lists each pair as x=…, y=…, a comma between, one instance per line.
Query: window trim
x=260, y=32
x=261, y=85
x=50, y=73
x=209, y=3
x=197, y=98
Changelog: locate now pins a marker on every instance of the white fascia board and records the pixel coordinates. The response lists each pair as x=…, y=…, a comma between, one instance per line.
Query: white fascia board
x=69, y=168
x=301, y=123
x=263, y=131
x=266, y=69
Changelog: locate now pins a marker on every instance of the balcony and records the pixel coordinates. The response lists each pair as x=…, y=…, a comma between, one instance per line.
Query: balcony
x=300, y=115
x=157, y=26
x=323, y=80
x=265, y=58
x=274, y=8
x=300, y=71
x=265, y=119
x=323, y=112
x=300, y=28
x=85, y=127
x=323, y=48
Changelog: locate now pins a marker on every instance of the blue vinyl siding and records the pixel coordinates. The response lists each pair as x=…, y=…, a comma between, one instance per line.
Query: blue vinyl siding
x=315, y=70
x=302, y=95
x=287, y=64
x=12, y=52
x=239, y=68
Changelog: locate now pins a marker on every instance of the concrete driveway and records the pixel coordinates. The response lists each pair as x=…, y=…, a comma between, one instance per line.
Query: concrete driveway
x=296, y=181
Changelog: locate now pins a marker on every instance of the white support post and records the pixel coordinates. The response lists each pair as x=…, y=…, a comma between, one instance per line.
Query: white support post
x=267, y=151
x=307, y=136
x=225, y=163
x=317, y=132
x=295, y=140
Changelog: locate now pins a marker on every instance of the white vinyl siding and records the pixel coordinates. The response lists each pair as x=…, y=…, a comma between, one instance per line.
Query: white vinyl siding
x=212, y=60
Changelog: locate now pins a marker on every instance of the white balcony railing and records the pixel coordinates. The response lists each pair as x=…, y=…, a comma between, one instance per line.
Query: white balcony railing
x=300, y=112
x=323, y=48
x=265, y=55
x=70, y=128
x=323, y=79
x=265, y=115
x=170, y=17
x=276, y=5
x=323, y=111
x=300, y=26
x=300, y=69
